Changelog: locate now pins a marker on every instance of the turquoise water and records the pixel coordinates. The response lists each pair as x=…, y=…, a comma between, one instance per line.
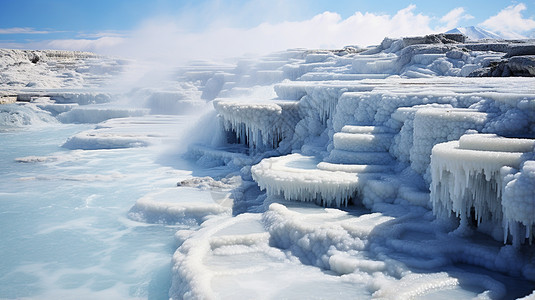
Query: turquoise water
x=64, y=231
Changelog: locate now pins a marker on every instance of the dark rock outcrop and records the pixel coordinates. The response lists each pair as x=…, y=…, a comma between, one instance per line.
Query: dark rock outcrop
x=441, y=38
x=514, y=66
x=520, y=50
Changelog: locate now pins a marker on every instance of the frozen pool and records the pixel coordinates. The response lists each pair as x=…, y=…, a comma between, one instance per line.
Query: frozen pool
x=63, y=213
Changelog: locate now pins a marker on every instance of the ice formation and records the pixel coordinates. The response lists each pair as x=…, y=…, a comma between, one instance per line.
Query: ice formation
x=360, y=124
x=267, y=123
x=378, y=127
x=518, y=199
x=469, y=174
x=377, y=172
x=174, y=206
x=297, y=177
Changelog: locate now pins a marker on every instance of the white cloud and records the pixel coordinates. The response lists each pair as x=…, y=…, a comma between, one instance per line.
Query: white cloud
x=166, y=39
x=509, y=22
x=451, y=19
x=22, y=30
x=101, y=34
x=102, y=44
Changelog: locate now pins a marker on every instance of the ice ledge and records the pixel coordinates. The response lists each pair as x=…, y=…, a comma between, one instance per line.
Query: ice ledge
x=296, y=177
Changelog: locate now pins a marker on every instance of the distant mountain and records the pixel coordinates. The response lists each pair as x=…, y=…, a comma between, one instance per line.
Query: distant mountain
x=476, y=33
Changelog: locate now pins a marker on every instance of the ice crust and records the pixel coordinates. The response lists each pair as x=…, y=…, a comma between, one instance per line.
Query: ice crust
x=128, y=132
x=16, y=116
x=368, y=255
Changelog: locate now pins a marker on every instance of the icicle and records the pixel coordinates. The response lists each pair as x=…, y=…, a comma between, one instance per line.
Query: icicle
x=464, y=178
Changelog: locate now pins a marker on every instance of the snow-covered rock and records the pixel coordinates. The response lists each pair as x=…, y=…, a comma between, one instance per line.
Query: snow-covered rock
x=475, y=33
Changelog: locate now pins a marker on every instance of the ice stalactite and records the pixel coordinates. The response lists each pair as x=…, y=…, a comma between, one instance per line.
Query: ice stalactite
x=262, y=125
x=471, y=174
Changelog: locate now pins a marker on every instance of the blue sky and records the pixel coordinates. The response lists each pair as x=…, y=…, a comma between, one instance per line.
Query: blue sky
x=106, y=25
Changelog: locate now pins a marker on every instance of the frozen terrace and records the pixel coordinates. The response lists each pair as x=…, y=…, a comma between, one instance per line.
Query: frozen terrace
x=362, y=125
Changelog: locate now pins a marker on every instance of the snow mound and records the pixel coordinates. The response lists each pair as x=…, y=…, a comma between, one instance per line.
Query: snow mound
x=50, y=69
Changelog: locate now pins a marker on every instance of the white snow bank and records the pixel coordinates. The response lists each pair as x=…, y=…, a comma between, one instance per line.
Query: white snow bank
x=49, y=69
x=295, y=90
x=183, y=101
x=47, y=104
x=378, y=250
x=210, y=157
x=365, y=157
x=93, y=140
x=81, y=97
x=493, y=142
x=297, y=250
x=200, y=263
x=362, y=141
x=354, y=168
x=320, y=76
x=375, y=64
